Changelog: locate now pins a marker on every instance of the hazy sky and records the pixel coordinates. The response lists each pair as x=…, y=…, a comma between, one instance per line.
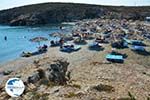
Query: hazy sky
x=4, y=4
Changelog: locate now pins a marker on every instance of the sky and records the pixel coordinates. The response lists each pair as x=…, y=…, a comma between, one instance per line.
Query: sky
x=5, y=4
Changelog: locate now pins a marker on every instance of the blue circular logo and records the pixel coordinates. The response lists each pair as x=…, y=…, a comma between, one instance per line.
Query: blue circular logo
x=14, y=87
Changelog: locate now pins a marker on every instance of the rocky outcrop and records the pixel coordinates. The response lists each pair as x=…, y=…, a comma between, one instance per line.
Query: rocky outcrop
x=29, y=19
x=35, y=77
x=57, y=72
x=21, y=20
x=48, y=13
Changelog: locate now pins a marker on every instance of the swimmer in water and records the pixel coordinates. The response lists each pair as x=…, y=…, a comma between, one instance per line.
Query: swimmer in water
x=5, y=38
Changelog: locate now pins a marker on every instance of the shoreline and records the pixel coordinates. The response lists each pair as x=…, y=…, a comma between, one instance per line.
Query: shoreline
x=88, y=69
x=17, y=52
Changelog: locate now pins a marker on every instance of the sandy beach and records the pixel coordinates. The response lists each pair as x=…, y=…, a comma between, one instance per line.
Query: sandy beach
x=89, y=68
x=91, y=76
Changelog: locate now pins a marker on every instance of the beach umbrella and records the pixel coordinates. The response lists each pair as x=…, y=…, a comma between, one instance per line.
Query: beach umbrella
x=38, y=39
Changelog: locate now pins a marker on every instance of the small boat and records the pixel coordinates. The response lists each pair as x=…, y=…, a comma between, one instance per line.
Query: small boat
x=69, y=48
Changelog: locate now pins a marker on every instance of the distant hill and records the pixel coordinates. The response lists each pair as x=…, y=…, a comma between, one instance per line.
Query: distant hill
x=46, y=13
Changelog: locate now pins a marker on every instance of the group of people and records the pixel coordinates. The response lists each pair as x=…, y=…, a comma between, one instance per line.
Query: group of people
x=42, y=48
x=57, y=43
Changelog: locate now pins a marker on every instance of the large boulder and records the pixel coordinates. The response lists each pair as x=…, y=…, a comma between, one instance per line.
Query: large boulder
x=57, y=72
x=36, y=76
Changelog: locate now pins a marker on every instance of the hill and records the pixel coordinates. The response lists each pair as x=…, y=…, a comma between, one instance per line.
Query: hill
x=46, y=13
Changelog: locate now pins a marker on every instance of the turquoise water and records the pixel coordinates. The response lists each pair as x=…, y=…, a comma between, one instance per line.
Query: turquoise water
x=18, y=39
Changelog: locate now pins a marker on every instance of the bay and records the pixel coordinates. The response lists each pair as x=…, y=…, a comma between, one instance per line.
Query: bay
x=18, y=39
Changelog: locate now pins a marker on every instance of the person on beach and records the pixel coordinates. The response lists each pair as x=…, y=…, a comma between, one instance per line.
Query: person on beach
x=61, y=27
x=45, y=46
x=5, y=38
x=52, y=42
x=61, y=41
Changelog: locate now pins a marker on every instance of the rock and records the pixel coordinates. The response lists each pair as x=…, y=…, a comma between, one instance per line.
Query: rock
x=55, y=89
x=36, y=63
x=35, y=96
x=37, y=14
x=20, y=20
x=35, y=77
x=7, y=72
x=18, y=98
x=41, y=89
x=57, y=71
x=18, y=76
x=92, y=98
x=86, y=89
x=124, y=98
x=27, y=19
x=4, y=96
x=68, y=75
x=103, y=87
x=28, y=96
x=41, y=73
x=80, y=93
x=31, y=86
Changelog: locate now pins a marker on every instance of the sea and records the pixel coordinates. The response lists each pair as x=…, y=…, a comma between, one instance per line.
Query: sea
x=18, y=39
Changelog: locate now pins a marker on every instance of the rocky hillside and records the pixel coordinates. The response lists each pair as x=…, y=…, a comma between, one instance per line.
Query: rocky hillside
x=47, y=13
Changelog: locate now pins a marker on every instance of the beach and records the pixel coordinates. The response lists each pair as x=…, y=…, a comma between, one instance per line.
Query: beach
x=88, y=69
